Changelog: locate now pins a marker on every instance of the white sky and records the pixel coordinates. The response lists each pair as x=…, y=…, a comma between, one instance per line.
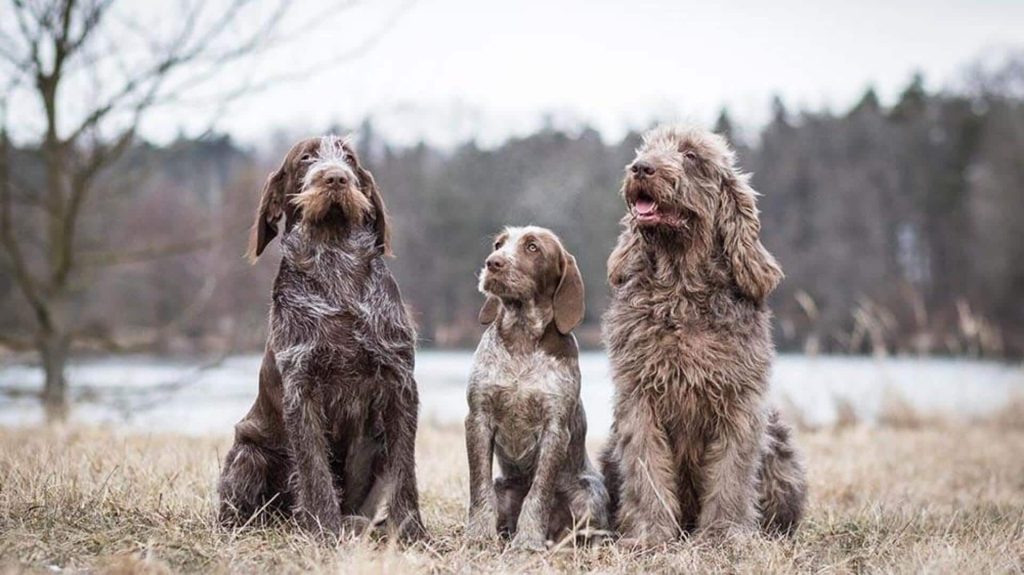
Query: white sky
x=453, y=69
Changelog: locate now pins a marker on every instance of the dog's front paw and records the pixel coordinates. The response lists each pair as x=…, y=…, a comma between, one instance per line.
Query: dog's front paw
x=411, y=530
x=482, y=526
x=327, y=523
x=592, y=536
x=643, y=541
x=528, y=542
x=720, y=534
x=355, y=525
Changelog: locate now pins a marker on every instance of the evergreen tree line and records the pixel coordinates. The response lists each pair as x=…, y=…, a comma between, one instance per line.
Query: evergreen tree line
x=900, y=228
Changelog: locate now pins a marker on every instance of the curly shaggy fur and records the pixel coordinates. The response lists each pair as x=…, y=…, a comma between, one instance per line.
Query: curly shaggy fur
x=694, y=445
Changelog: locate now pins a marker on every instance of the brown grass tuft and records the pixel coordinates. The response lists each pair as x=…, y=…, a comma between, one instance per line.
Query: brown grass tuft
x=946, y=499
x=898, y=413
x=846, y=414
x=1010, y=417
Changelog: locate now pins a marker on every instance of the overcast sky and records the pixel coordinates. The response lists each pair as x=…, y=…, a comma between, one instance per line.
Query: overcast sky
x=451, y=69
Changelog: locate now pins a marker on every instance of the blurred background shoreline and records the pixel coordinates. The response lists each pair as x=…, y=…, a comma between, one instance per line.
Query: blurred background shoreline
x=145, y=393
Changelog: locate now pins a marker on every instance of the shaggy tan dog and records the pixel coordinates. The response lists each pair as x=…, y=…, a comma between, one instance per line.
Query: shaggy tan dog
x=694, y=445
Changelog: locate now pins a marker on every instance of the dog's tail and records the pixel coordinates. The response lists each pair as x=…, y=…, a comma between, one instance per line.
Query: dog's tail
x=783, y=479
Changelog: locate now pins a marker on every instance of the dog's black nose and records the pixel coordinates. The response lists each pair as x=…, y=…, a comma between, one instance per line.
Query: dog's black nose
x=495, y=262
x=642, y=169
x=335, y=180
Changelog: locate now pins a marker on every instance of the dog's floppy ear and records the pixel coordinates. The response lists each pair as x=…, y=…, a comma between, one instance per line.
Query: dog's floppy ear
x=380, y=212
x=380, y=223
x=490, y=310
x=568, y=301
x=755, y=270
x=264, y=229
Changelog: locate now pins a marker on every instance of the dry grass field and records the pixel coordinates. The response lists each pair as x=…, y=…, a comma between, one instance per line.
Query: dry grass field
x=925, y=496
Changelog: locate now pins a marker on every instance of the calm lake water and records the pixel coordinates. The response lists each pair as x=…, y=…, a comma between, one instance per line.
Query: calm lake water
x=145, y=393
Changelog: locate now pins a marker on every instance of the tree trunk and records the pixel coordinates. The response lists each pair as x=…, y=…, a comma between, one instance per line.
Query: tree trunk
x=53, y=348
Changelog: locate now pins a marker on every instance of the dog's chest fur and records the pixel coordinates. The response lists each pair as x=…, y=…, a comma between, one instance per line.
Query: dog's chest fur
x=520, y=393
x=337, y=315
x=684, y=349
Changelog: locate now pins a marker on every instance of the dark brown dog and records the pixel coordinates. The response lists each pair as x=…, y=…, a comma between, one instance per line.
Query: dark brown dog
x=694, y=444
x=331, y=435
x=524, y=399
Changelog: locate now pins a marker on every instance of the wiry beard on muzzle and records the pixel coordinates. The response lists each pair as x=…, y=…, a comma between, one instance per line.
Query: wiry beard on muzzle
x=506, y=285
x=319, y=201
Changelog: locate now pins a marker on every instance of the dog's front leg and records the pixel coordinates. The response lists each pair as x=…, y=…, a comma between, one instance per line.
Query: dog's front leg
x=533, y=519
x=483, y=521
x=316, y=503
x=729, y=502
x=400, y=421
x=648, y=502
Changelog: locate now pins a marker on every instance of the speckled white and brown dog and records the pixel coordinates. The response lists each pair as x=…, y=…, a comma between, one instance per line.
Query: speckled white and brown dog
x=524, y=399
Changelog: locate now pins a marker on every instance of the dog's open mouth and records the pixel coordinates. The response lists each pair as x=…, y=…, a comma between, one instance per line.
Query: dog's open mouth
x=645, y=209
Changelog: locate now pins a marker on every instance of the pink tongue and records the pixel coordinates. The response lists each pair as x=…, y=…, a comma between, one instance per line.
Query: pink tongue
x=645, y=206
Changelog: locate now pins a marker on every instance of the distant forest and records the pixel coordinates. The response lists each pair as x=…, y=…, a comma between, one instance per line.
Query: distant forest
x=900, y=228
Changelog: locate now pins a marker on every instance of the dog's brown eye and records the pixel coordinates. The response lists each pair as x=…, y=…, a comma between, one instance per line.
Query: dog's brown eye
x=497, y=245
x=306, y=157
x=690, y=155
x=532, y=247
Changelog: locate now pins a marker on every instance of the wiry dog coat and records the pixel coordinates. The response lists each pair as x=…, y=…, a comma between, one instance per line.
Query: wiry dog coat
x=331, y=435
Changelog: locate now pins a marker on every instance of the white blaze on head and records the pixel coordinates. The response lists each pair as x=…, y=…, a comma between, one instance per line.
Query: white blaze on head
x=508, y=249
x=515, y=234
x=330, y=156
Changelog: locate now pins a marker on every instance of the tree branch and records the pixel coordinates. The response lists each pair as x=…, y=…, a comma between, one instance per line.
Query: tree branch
x=102, y=339
x=32, y=38
x=178, y=54
x=249, y=87
x=148, y=253
x=26, y=282
x=81, y=184
x=91, y=23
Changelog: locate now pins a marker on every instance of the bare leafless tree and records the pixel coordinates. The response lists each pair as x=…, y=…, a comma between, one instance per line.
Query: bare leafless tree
x=90, y=72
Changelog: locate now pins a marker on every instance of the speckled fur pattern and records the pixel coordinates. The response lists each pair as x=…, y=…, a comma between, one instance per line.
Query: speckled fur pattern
x=524, y=400
x=694, y=446
x=330, y=439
